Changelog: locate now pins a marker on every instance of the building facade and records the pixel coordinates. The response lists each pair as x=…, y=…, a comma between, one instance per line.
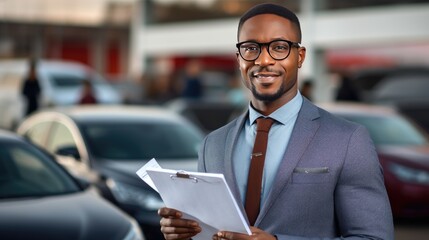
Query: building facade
x=95, y=33
x=339, y=35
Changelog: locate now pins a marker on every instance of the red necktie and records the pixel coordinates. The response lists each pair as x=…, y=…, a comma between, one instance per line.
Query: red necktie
x=254, y=182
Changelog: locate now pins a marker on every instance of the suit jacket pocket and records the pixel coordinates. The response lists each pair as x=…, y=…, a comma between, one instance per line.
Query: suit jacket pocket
x=310, y=175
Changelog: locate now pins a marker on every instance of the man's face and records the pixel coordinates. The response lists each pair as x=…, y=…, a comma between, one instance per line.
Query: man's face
x=268, y=79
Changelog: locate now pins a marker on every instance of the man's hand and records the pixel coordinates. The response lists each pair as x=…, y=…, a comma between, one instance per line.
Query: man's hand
x=174, y=227
x=257, y=234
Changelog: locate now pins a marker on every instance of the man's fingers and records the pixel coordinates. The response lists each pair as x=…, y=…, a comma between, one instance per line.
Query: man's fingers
x=179, y=230
x=228, y=235
x=176, y=236
x=169, y=212
x=174, y=227
x=225, y=235
x=178, y=222
x=179, y=233
x=232, y=235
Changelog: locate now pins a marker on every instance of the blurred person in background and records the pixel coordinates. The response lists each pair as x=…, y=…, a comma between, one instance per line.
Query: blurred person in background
x=31, y=88
x=236, y=93
x=87, y=93
x=347, y=91
x=160, y=89
x=193, y=87
x=322, y=178
x=307, y=89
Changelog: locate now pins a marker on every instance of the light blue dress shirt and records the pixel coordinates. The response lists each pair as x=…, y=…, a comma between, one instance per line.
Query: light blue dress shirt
x=278, y=139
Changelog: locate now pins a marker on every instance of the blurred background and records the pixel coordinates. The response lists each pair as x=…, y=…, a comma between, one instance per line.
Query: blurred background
x=142, y=47
x=180, y=55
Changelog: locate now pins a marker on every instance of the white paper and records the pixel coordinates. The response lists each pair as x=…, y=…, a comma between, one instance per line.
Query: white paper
x=143, y=174
x=204, y=197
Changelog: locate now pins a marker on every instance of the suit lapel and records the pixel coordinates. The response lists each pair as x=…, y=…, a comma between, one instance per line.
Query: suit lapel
x=231, y=141
x=302, y=134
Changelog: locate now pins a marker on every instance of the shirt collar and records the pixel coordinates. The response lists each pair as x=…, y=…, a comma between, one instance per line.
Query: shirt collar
x=281, y=115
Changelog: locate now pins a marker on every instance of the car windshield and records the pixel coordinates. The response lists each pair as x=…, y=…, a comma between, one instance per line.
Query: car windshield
x=27, y=172
x=133, y=141
x=391, y=130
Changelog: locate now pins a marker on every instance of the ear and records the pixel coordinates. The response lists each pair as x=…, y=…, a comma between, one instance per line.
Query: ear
x=301, y=56
x=237, y=55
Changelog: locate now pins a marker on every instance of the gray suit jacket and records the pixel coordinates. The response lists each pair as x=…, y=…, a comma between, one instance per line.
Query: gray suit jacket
x=329, y=185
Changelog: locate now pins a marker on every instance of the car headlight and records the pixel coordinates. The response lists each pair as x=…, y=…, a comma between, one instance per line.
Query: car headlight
x=125, y=193
x=408, y=174
x=135, y=232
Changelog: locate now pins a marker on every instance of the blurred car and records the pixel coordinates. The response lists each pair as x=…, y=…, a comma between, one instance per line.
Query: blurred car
x=60, y=83
x=40, y=200
x=405, y=88
x=368, y=80
x=408, y=92
x=402, y=89
x=131, y=91
x=403, y=151
x=106, y=145
x=207, y=115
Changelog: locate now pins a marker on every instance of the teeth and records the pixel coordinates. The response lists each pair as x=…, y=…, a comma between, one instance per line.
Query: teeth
x=260, y=75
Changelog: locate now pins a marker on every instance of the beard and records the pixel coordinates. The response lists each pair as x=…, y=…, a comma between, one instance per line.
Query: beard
x=268, y=97
x=265, y=97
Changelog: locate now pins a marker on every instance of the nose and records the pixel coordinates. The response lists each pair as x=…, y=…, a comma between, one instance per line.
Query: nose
x=264, y=58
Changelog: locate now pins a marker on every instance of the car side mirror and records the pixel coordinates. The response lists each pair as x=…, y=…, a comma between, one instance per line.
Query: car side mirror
x=68, y=151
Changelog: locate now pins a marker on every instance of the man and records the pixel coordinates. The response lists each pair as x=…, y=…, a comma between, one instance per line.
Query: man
x=322, y=178
x=87, y=93
x=307, y=89
x=31, y=89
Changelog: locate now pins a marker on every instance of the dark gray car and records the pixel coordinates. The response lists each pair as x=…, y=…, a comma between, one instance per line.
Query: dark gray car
x=402, y=87
x=40, y=200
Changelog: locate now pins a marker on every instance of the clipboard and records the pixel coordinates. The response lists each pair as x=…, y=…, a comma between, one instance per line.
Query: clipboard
x=203, y=197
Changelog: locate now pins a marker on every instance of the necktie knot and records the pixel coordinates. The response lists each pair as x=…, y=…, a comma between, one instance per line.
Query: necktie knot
x=264, y=124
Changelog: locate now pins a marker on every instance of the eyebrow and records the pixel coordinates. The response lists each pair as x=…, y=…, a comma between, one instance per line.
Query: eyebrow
x=275, y=39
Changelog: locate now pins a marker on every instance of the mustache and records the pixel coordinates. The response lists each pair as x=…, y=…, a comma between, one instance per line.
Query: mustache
x=258, y=69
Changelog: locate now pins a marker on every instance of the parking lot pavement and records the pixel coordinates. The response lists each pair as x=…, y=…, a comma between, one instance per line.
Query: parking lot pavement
x=412, y=229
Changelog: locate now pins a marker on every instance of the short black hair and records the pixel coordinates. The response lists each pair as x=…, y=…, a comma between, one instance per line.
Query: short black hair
x=269, y=8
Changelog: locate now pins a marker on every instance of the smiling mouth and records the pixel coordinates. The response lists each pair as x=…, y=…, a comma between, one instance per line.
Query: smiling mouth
x=265, y=78
x=264, y=75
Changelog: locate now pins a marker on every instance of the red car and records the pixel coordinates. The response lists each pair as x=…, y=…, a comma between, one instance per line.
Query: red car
x=403, y=151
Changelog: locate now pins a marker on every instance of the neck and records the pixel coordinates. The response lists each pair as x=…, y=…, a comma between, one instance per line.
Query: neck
x=268, y=107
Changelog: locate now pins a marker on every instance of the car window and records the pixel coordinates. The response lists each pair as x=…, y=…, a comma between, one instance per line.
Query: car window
x=142, y=141
x=61, y=137
x=390, y=130
x=37, y=133
x=26, y=171
x=71, y=80
x=66, y=80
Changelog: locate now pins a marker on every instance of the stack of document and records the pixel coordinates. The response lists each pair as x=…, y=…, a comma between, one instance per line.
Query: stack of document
x=203, y=197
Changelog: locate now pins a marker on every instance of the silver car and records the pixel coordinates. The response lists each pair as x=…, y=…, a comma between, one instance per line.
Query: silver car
x=60, y=83
x=106, y=145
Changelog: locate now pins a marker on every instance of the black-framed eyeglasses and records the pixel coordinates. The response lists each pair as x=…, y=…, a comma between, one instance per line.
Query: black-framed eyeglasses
x=278, y=49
